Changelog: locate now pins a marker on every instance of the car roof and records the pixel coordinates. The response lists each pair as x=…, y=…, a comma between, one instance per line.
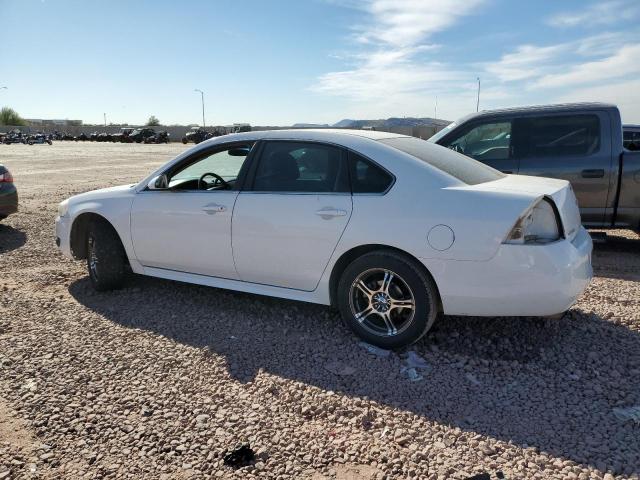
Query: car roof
x=319, y=134
x=560, y=107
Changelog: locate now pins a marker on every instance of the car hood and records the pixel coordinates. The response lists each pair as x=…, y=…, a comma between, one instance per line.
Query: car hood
x=111, y=192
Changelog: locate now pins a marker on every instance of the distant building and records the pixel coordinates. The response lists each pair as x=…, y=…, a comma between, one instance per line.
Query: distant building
x=36, y=122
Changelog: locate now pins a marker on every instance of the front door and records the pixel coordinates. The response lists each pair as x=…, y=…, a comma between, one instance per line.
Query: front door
x=287, y=224
x=187, y=227
x=488, y=141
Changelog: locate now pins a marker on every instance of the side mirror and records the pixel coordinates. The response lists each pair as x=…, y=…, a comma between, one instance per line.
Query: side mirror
x=161, y=182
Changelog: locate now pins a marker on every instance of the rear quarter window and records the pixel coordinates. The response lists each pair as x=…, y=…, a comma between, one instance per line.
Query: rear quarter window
x=459, y=166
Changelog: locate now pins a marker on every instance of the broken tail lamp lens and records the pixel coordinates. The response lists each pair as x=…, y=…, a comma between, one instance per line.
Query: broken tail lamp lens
x=538, y=225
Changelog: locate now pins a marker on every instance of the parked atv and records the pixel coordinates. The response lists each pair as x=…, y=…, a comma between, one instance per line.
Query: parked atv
x=196, y=135
x=139, y=134
x=39, y=139
x=160, y=137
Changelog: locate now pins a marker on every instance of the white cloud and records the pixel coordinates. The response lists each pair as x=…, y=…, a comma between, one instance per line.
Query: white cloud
x=622, y=63
x=625, y=94
x=610, y=12
x=389, y=65
x=526, y=61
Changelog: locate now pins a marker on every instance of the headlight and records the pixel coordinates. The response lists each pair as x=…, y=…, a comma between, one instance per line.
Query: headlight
x=63, y=208
x=538, y=225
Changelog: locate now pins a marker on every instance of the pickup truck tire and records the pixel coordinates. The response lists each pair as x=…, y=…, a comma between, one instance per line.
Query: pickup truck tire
x=106, y=258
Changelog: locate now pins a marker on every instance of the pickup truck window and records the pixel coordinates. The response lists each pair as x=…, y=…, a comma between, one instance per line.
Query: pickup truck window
x=488, y=141
x=557, y=136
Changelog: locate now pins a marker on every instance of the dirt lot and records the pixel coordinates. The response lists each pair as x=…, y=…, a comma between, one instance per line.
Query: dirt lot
x=159, y=379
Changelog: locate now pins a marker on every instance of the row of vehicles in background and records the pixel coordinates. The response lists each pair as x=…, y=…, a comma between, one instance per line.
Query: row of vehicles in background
x=125, y=135
x=16, y=136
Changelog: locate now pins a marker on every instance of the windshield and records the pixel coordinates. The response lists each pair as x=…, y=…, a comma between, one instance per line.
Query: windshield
x=442, y=133
x=455, y=164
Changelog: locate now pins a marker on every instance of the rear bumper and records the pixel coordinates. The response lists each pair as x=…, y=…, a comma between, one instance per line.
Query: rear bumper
x=8, y=199
x=521, y=280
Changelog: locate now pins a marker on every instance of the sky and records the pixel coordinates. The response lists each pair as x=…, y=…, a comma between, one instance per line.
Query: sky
x=281, y=62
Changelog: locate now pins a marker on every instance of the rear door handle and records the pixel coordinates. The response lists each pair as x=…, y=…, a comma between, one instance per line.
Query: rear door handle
x=213, y=208
x=330, y=212
x=593, y=173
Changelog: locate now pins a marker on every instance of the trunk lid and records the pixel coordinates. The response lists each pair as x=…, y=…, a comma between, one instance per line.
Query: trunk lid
x=559, y=191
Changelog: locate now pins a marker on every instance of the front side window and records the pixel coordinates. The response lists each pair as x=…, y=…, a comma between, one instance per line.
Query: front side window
x=488, y=141
x=217, y=170
x=558, y=136
x=300, y=167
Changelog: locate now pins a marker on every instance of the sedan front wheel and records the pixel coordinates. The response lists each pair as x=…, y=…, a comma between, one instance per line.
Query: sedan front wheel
x=387, y=299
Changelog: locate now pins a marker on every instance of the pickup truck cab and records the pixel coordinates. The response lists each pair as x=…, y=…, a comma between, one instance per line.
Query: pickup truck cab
x=581, y=143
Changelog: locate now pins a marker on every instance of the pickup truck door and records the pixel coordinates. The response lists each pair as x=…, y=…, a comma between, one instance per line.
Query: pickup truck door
x=574, y=147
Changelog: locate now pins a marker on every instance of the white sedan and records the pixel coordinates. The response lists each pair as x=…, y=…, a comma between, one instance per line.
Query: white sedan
x=389, y=229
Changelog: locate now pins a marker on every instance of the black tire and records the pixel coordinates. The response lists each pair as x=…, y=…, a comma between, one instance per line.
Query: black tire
x=412, y=282
x=106, y=258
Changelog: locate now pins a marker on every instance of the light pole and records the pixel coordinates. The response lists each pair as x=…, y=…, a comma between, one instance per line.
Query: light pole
x=478, y=102
x=202, y=96
x=105, y=119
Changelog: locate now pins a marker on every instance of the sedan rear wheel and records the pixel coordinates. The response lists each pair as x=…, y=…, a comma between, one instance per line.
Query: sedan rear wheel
x=387, y=299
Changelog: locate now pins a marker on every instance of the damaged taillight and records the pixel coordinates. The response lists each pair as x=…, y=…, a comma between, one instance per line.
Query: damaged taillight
x=6, y=177
x=539, y=224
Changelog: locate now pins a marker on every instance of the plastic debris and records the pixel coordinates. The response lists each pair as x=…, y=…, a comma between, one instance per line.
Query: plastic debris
x=480, y=476
x=413, y=360
x=240, y=456
x=379, y=352
x=628, y=413
x=412, y=374
x=339, y=368
x=412, y=364
x=472, y=378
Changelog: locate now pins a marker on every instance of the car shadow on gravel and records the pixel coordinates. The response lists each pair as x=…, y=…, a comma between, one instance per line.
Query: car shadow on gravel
x=11, y=239
x=549, y=385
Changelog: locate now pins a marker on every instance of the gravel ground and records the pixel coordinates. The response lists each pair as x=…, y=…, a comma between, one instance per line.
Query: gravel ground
x=160, y=379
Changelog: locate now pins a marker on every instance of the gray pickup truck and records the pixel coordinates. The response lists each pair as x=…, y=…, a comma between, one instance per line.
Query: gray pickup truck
x=581, y=143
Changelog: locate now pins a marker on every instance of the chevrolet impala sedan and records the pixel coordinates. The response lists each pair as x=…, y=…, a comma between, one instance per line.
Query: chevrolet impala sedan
x=391, y=230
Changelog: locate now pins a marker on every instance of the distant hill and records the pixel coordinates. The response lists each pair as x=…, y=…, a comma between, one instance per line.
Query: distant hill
x=392, y=122
x=310, y=125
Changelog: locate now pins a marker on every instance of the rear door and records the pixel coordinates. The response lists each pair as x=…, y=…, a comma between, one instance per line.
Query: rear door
x=487, y=140
x=288, y=223
x=573, y=147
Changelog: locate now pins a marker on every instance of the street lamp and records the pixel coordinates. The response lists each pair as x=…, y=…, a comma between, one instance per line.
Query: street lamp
x=202, y=96
x=478, y=102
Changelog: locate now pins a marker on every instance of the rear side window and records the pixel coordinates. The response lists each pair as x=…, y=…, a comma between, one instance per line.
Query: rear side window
x=301, y=167
x=463, y=168
x=557, y=136
x=367, y=177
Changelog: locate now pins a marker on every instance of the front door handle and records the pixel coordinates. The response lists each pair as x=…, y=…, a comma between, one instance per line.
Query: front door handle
x=213, y=208
x=593, y=173
x=330, y=212
x=507, y=172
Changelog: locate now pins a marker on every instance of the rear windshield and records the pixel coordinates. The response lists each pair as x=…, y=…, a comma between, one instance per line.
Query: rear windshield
x=463, y=168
